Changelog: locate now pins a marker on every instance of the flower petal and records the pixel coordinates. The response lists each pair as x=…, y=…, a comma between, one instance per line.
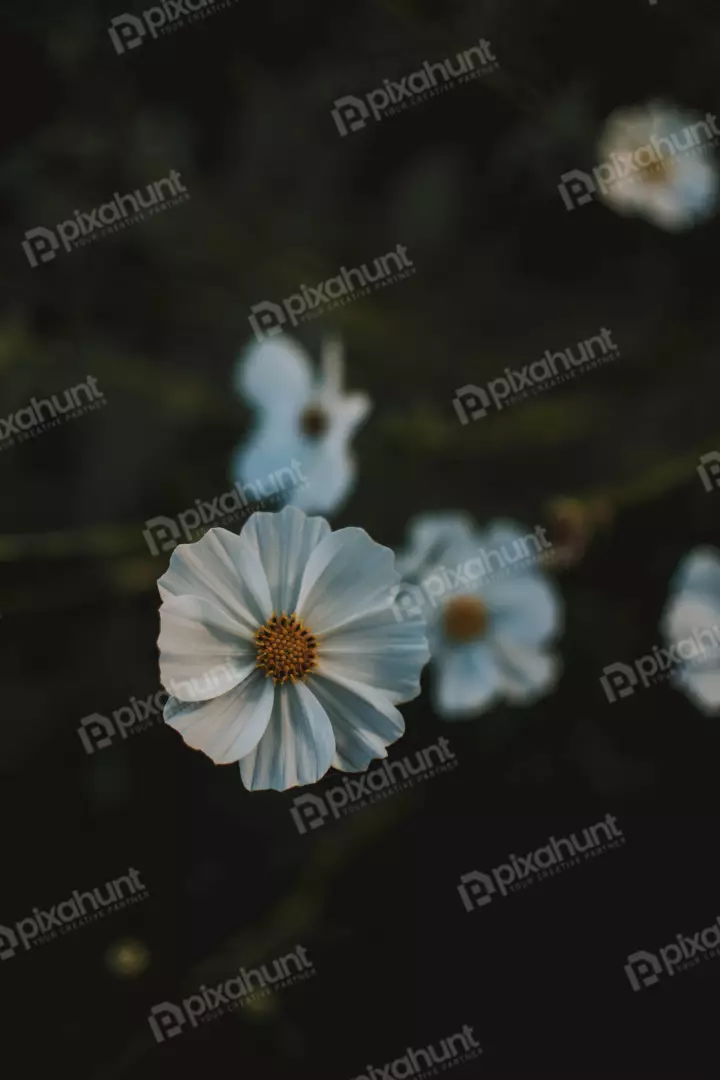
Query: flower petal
x=330, y=478
x=363, y=720
x=526, y=610
x=702, y=687
x=690, y=618
x=228, y=727
x=467, y=681
x=430, y=536
x=298, y=745
x=699, y=573
x=347, y=576
x=333, y=367
x=378, y=650
x=527, y=673
x=283, y=543
x=204, y=652
x=275, y=375
x=510, y=550
x=222, y=569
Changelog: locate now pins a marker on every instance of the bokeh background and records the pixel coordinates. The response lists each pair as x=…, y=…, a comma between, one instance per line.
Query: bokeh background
x=239, y=104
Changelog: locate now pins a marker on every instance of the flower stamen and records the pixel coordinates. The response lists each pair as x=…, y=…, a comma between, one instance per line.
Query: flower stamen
x=286, y=649
x=465, y=619
x=314, y=422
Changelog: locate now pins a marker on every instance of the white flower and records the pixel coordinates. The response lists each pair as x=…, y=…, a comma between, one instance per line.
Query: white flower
x=691, y=626
x=300, y=420
x=658, y=156
x=282, y=651
x=491, y=613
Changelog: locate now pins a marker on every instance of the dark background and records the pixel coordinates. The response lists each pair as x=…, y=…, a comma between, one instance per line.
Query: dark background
x=240, y=105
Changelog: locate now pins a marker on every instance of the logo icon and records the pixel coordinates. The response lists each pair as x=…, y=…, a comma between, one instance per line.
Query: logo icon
x=40, y=245
x=643, y=969
x=161, y=534
x=618, y=680
x=126, y=32
x=8, y=943
x=96, y=732
x=709, y=470
x=577, y=188
x=166, y=1021
x=473, y=400
x=267, y=319
x=309, y=812
x=350, y=114
x=476, y=890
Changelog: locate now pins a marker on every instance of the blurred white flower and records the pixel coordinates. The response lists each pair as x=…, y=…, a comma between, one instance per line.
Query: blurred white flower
x=659, y=167
x=300, y=419
x=281, y=650
x=491, y=612
x=691, y=625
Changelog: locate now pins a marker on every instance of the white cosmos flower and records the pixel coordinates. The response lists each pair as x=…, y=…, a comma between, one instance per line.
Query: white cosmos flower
x=659, y=156
x=281, y=649
x=491, y=613
x=300, y=419
x=691, y=627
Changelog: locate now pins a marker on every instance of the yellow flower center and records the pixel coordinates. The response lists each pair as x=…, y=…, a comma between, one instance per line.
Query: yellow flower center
x=660, y=172
x=314, y=422
x=465, y=618
x=286, y=649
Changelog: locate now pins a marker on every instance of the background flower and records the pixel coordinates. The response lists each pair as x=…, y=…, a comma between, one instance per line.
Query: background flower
x=672, y=183
x=491, y=613
x=691, y=623
x=300, y=418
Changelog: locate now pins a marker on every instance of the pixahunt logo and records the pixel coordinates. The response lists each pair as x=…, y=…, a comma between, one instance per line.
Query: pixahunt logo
x=621, y=680
x=475, y=402
x=488, y=565
x=41, y=416
x=267, y=319
x=71, y=914
x=644, y=969
x=129, y=31
x=42, y=245
x=453, y=1050
x=97, y=732
x=478, y=889
x=351, y=113
x=386, y=779
x=164, y=534
x=577, y=188
x=242, y=990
